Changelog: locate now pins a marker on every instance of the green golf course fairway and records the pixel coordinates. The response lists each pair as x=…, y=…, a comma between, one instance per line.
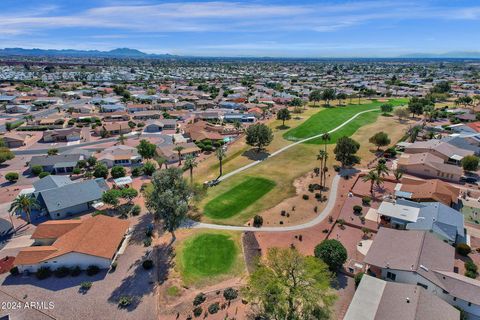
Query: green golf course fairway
x=207, y=254
x=330, y=118
x=238, y=198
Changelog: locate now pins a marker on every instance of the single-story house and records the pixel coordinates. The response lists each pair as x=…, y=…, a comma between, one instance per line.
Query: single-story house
x=171, y=155
x=431, y=190
x=113, y=128
x=112, y=107
x=430, y=166
x=379, y=299
x=13, y=140
x=60, y=163
x=443, y=221
x=79, y=243
x=119, y=155
x=447, y=152
x=240, y=117
x=62, y=135
x=420, y=258
x=18, y=108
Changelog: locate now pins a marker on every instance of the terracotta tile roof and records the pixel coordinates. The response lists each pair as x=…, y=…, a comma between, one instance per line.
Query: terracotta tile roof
x=89, y=237
x=431, y=189
x=474, y=125
x=54, y=229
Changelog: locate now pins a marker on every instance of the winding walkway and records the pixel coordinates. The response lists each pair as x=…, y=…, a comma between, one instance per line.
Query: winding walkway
x=318, y=219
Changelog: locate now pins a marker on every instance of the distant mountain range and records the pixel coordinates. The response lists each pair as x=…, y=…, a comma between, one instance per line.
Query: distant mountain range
x=115, y=53
x=137, y=54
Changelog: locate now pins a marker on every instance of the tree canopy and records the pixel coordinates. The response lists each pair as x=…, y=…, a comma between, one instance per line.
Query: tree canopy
x=287, y=285
x=332, y=252
x=380, y=139
x=146, y=149
x=345, y=151
x=259, y=135
x=283, y=114
x=470, y=163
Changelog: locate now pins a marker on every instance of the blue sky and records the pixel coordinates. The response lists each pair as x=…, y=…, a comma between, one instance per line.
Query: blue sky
x=303, y=28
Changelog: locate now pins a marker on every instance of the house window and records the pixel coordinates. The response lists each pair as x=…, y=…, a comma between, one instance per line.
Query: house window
x=469, y=304
x=422, y=285
x=454, y=298
x=391, y=276
x=445, y=291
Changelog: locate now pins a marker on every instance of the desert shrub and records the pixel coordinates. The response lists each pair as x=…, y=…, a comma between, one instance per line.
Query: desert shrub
x=257, y=221
x=230, y=293
x=43, y=273
x=197, y=312
x=137, y=171
x=125, y=301
x=76, y=170
x=75, y=271
x=305, y=197
x=62, y=272
x=36, y=170
x=114, y=265
x=147, y=264
x=471, y=266
x=147, y=242
x=199, y=299
x=11, y=176
x=366, y=201
x=358, y=278
x=43, y=174
x=135, y=211
x=213, y=308
x=92, y=270
x=463, y=249
x=85, y=285
x=357, y=209
x=470, y=274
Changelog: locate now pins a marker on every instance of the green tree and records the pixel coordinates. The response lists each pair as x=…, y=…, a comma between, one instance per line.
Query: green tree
x=129, y=194
x=149, y=168
x=315, y=96
x=36, y=170
x=287, y=285
x=470, y=163
x=386, y=108
x=220, y=153
x=11, y=176
x=332, y=252
x=111, y=197
x=168, y=200
x=6, y=154
x=401, y=113
x=121, y=139
x=381, y=168
x=345, y=151
x=146, y=149
x=161, y=161
x=398, y=173
x=100, y=171
x=322, y=156
x=190, y=164
x=283, y=114
x=118, y=172
x=325, y=138
x=296, y=102
x=24, y=203
x=328, y=95
x=259, y=135
x=179, y=150
x=380, y=139
x=374, y=178
x=92, y=161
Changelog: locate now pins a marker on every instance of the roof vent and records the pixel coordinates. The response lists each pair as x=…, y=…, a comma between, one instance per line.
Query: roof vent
x=423, y=267
x=408, y=300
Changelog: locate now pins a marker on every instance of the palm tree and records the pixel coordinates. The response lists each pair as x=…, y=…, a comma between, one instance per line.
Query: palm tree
x=398, y=173
x=24, y=203
x=190, y=163
x=121, y=139
x=179, y=149
x=221, y=154
x=322, y=155
x=161, y=161
x=381, y=169
x=374, y=178
x=326, y=138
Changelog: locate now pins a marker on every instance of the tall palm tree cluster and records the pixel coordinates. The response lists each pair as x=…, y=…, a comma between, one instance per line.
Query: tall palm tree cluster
x=376, y=175
x=323, y=157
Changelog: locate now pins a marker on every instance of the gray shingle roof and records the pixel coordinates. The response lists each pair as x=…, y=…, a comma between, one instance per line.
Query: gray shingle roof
x=46, y=160
x=51, y=182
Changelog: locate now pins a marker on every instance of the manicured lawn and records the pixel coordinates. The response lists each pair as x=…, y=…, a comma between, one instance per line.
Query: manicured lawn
x=206, y=255
x=331, y=118
x=238, y=198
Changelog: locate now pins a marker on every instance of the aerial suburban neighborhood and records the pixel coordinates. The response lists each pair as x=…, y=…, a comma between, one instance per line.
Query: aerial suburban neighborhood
x=268, y=180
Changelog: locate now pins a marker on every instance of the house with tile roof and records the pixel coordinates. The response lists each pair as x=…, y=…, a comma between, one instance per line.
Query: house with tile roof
x=376, y=299
x=119, y=155
x=428, y=165
x=70, y=244
x=424, y=260
x=431, y=190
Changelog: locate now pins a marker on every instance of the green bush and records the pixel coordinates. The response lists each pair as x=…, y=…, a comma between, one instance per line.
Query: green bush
x=357, y=209
x=62, y=272
x=358, y=278
x=85, y=285
x=36, y=170
x=199, y=299
x=11, y=176
x=470, y=274
x=125, y=301
x=197, y=312
x=257, y=221
x=230, y=294
x=471, y=266
x=147, y=264
x=366, y=201
x=118, y=172
x=213, y=308
x=148, y=168
x=76, y=170
x=463, y=249
x=137, y=171
x=147, y=242
x=14, y=271
x=135, y=211
x=332, y=252
x=92, y=270
x=76, y=271
x=43, y=174
x=43, y=273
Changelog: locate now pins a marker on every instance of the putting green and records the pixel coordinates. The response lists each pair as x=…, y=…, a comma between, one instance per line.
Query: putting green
x=208, y=254
x=328, y=119
x=238, y=198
